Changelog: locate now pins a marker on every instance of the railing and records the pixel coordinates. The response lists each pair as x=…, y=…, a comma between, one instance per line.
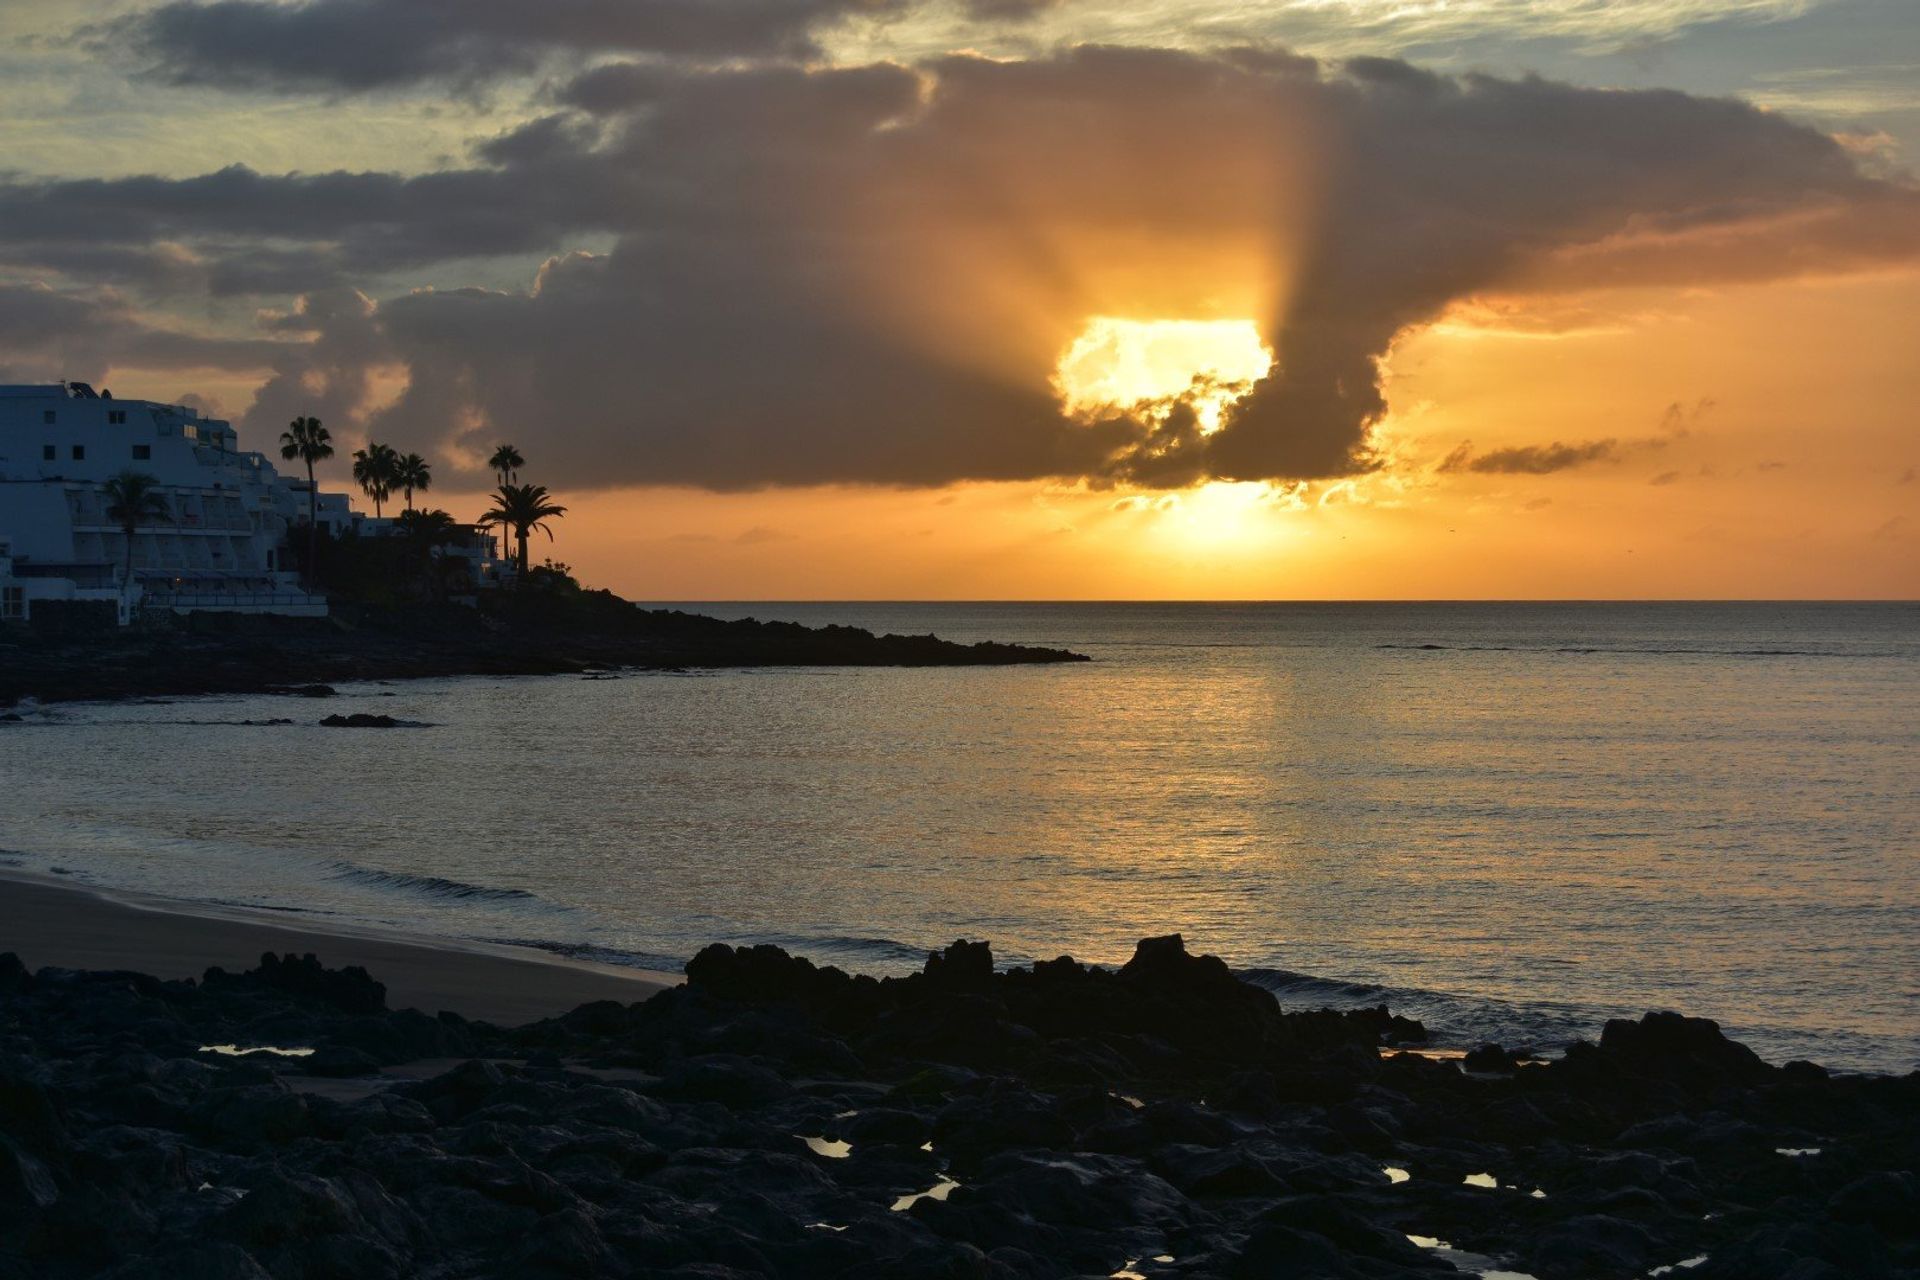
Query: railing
x=227, y=599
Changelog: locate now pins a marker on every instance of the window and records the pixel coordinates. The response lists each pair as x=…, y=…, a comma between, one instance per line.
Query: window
x=46, y=453
x=13, y=602
x=142, y=452
x=49, y=417
x=79, y=453
x=117, y=417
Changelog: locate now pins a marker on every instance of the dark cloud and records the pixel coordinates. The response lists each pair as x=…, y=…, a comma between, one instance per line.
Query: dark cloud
x=49, y=335
x=1665, y=478
x=331, y=376
x=866, y=274
x=251, y=232
x=1008, y=10
x=1533, y=460
x=333, y=45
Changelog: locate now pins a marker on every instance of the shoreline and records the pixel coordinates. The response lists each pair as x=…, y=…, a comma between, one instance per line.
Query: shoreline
x=49, y=921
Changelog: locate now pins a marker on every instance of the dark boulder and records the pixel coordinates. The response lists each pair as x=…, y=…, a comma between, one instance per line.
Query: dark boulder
x=1690, y=1051
x=1594, y=1245
x=348, y=990
x=963, y=966
x=1888, y=1200
x=724, y=1078
x=1490, y=1059
x=249, y=1117
x=1281, y=1250
x=211, y=1260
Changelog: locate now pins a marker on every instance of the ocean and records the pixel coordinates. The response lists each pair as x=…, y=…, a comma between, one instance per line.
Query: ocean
x=1510, y=820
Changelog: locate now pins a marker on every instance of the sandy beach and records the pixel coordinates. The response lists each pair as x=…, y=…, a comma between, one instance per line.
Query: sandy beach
x=73, y=926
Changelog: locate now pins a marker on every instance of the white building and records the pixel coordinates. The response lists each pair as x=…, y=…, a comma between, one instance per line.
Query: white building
x=228, y=510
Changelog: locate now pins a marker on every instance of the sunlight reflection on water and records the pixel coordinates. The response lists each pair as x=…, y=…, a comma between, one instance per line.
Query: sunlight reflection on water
x=1566, y=812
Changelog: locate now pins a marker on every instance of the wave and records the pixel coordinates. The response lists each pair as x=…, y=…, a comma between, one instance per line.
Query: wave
x=1292, y=986
x=850, y=953
x=599, y=954
x=1452, y=1021
x=430, y=886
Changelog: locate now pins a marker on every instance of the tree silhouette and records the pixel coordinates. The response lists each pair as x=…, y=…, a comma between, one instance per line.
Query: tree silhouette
x=134, y=499
x=410, y=473
x=523, y=508
x=310, y=442
x=375, y=468
x=506, y=463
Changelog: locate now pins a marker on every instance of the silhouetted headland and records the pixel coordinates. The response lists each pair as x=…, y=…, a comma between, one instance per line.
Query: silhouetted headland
x=593, y=631
x=773, y=1119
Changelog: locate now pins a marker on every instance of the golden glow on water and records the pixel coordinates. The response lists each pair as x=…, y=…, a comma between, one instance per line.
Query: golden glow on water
x=1118, y=364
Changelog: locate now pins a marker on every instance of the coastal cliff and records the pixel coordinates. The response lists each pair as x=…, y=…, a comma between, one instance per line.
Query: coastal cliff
x=774, y=1119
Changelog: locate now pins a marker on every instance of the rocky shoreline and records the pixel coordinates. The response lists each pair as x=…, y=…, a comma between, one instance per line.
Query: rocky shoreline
x=303, y=656
x=770, y=1118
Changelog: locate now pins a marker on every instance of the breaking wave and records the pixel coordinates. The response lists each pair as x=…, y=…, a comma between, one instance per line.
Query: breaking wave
x=429, y=886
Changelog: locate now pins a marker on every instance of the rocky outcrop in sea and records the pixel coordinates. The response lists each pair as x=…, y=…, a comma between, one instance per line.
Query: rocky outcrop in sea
x=771, y=1118
x=594, y=635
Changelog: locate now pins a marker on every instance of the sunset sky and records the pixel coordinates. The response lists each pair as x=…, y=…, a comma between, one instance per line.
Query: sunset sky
x=1024, y=298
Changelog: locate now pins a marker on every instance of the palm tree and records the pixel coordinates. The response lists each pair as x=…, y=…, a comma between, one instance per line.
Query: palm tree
x=523, y=508
x=375, y=468
x=310, y=442
x=506, y=463
x=426, y=530
x=410, y=473
x=134, y=499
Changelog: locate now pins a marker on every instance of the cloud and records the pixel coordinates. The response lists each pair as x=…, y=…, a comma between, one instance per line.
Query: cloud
x=867, y=273
x=50, y=335
x=333, y=45
x=1532, y=460
x=1666, y=478
x=1679, y=420
x=1007, y=10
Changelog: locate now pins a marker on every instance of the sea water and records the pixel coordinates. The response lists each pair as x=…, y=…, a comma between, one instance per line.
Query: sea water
x=1510, y=820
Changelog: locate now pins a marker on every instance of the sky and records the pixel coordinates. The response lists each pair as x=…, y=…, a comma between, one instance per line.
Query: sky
x=968, y=299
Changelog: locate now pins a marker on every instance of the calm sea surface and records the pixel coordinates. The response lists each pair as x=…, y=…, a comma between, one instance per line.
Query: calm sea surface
x=1510, y=820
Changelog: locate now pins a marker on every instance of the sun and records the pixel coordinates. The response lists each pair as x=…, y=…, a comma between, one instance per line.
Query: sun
x=1120, y=364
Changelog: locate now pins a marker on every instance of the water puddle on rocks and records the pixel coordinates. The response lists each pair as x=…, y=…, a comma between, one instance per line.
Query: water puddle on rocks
x=1477, y=1264
x=1395, y=1174
x=832, y=1149
x=1685, y=1264
x=1483, y=1180
x=938, y=1191
x=1127, y=1272
x=239, y=1051
x=1795, y=1152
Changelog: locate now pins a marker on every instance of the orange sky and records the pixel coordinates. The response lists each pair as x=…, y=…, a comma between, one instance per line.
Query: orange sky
x=1788, y=470
x=910, y=308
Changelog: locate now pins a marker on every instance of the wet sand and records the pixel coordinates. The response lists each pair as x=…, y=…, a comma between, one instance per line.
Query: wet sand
x=72, y=926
